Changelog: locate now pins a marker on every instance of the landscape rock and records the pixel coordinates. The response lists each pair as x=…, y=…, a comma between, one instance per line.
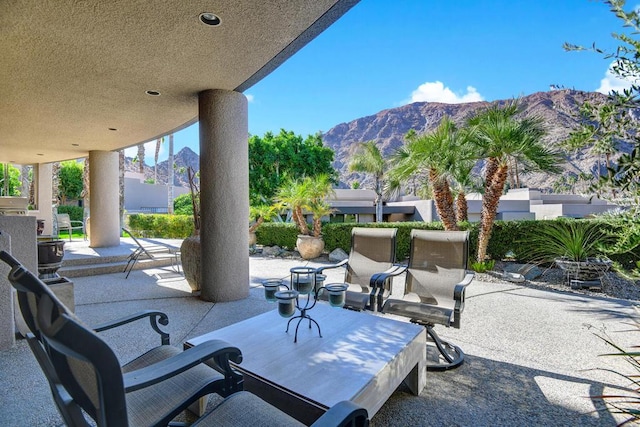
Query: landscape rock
x=338, y=255
x=529, y=271
x=272, y=251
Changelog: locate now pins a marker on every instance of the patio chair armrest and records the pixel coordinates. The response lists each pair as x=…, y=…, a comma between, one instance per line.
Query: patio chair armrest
x=217, y=350
x=459, y=295
x=340, y=264
x=378, y=280
x=345, y=413
x=154, y=316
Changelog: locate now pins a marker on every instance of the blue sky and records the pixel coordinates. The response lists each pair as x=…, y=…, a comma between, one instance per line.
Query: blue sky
x=383, y=54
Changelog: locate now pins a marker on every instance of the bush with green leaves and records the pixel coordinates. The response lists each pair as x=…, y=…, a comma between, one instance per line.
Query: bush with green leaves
x=162, y=225
x=182, y=205
x=76, y=213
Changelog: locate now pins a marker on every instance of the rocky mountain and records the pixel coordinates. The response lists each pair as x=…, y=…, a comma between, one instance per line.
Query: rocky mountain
x=182, y=160
x=557, y=108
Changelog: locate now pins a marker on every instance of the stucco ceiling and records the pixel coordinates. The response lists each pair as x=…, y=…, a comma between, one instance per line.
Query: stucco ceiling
x=73, y=74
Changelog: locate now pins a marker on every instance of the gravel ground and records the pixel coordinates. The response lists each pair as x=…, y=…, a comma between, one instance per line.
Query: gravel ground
x=613, y=285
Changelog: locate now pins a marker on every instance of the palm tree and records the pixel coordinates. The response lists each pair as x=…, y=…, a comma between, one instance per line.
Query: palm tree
x=159, y=142
x=435, y=153
x=170, y=177
x=501, y=138
x=309, y=194
x=140, y=158
x=368, y=159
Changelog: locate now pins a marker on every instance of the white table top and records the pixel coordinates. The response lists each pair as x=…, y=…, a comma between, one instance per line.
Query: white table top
x=352, y=358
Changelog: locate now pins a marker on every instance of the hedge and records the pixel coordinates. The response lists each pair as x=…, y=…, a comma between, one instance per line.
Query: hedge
x=508, y=238
x=76, y=213
x=161, y=225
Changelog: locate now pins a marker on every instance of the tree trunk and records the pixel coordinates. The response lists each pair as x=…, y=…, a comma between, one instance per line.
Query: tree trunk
x=462, y=211
x=378, y=200
x=444, y=201
x=141, y=159
x=299, y=218
x=121, y=183
x=170, y=177
x=490, y=201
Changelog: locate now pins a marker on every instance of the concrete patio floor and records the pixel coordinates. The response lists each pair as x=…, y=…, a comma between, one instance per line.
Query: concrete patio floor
x=532, y=355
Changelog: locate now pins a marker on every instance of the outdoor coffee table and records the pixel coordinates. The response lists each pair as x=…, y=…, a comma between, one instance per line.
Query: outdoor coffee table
x=361, y=357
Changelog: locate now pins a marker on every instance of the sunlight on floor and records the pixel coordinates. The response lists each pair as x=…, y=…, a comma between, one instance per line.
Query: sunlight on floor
x=568, y=394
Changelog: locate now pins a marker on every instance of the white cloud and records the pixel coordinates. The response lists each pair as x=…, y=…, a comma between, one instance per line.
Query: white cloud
x=250, y=98
x=612, y=82
x=438, y=92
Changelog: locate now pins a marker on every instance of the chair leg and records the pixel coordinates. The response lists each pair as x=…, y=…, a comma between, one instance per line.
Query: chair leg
x=452, y=354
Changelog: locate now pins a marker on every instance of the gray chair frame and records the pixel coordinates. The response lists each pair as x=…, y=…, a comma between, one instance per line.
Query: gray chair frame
x=64, y=222
x=373, y=251
x=153, y=367
x=434, y=289
x=150, y=251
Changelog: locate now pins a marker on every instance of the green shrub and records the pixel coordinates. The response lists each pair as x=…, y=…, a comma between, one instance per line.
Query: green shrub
x=161, y=225
x=76, y=213
x=182, y=205
x=277, y=234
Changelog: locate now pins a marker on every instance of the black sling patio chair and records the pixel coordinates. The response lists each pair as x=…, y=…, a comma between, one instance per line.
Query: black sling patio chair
x=373, y=251
x=89, y=370
x=178, y=378
x=434, y=289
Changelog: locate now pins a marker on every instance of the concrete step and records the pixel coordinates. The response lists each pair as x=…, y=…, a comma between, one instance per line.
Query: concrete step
x=98, y=266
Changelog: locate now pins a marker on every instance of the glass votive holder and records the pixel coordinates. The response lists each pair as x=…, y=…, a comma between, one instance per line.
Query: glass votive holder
x=302, y=279
x=337, y=294
x=320, y=278
x=286, y=303
x=271, y=286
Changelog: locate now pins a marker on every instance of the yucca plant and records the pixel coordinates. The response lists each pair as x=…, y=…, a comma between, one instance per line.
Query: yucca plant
x=572, y=240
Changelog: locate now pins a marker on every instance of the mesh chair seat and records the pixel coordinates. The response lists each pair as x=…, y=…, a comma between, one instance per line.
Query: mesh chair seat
x=420, y=313
x=143, y=405
x=246, y=409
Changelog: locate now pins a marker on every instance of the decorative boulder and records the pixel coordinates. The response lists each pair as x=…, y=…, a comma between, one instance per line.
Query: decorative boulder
x=338, y=255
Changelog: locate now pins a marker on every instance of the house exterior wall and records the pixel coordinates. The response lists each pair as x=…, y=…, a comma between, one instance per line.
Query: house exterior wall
x=147, y=198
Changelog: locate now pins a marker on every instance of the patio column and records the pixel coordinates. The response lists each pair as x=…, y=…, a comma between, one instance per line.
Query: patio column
x=224, y=195
x=105, y=200
x=44, y=194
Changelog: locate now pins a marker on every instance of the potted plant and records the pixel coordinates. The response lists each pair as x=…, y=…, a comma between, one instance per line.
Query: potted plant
x=308, y=194
x=575, y=246
x=190, y=248
x=259, y=214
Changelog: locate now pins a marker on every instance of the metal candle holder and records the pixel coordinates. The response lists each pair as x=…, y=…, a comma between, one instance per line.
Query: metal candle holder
x=305, y=281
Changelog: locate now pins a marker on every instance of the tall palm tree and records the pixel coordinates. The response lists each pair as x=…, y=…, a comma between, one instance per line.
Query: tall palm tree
x=435, y=153
x=170, y=177
x=369, y=159
x=140, y=158
x=159, y=142
x=501, y=138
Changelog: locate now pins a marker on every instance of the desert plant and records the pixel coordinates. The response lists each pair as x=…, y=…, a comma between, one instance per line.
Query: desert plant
x=308, y=194
x=574, y=240
x=484, y=266
x=260, y=213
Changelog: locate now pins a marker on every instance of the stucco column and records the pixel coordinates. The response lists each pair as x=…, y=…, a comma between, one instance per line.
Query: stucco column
x=224, y=195
x=105, y=200
x=44, y=195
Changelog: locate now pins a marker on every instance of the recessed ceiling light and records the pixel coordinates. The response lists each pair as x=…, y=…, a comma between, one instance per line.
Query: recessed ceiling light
x=40, y=154
x=75, y=145
x=153, y=93
x=114, y=129
x=209, y=18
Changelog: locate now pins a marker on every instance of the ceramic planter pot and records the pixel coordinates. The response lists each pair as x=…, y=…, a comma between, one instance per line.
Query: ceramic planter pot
x=190, y=257
x=309, y=247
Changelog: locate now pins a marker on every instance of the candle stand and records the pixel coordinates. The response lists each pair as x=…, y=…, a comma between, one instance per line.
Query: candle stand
x=302, y=295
